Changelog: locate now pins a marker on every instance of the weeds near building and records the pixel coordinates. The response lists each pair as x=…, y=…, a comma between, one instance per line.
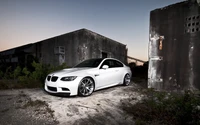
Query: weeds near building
x=27, y=77
x=167, y=109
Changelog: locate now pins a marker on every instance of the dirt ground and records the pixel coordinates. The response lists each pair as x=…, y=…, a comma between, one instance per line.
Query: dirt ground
x=35, y=106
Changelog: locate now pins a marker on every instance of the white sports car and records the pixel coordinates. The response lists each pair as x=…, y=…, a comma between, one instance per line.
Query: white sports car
x=88, y=76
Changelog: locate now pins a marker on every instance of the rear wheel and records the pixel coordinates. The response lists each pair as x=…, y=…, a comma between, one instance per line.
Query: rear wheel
x=86, y=87
x=127, y=80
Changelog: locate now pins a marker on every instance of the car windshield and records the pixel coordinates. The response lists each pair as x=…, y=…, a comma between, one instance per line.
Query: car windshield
x=90, y=63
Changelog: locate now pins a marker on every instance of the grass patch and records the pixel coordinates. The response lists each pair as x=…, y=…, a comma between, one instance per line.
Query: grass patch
x=140, y=81
x=41, y=106
x=36, y=103
x=166, y=109
x=27, y=77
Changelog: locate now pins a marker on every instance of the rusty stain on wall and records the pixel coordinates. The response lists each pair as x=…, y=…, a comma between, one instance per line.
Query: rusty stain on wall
x=161, y=42
x=155, y=60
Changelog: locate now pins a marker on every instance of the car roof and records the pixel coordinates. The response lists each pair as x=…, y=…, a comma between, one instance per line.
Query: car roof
x=108, y=58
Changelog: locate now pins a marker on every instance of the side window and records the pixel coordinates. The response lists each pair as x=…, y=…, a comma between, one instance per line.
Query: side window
x=117, y=63
x=112, y=63
x=106, y=62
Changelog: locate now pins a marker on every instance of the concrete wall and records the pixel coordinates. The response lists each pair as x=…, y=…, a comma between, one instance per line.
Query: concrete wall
x=70, y=48
x=78, y=46
x=174, y=47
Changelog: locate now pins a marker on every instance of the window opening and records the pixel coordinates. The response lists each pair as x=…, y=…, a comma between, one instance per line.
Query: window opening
x=104, y=54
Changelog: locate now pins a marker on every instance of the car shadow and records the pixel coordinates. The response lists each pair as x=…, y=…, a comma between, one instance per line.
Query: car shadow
x=63, y=95
x=100, y=91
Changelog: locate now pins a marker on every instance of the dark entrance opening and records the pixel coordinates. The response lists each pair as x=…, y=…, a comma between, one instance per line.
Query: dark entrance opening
x=104, y=54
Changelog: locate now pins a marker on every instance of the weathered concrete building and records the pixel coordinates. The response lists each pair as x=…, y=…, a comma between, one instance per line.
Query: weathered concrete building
x=174, y=47
x=70, y=48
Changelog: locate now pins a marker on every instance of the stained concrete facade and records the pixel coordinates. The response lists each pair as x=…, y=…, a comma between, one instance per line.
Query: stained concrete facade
x=174, y=47
x=70, y=48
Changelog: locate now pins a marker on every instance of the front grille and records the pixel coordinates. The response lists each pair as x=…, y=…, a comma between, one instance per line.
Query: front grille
x=48, y=78
x=54, y=78
x=52, y=88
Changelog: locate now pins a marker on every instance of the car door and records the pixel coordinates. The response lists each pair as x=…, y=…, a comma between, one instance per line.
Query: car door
x=107, y=76
x=119, y=71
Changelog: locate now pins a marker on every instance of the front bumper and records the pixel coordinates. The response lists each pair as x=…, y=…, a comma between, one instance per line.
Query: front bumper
x=62, y=87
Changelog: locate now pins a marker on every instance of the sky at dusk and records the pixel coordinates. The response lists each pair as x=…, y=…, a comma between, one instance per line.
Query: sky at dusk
x=126, y=21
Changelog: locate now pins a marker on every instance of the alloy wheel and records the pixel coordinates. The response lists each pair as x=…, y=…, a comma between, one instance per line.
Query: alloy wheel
x=86, y=87
x=127, y=79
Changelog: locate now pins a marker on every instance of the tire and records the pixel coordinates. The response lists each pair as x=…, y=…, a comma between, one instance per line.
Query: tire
x=127, y=80
x=86, y=87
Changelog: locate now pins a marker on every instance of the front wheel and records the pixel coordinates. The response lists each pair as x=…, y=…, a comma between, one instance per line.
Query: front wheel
x=86, y=87
x=127, y=80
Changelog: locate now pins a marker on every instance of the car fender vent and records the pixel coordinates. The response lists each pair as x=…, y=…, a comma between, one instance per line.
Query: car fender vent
x=52, y=88
x=65, y=89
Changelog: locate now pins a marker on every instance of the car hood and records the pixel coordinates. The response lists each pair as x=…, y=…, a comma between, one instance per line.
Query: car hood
x=71, y=71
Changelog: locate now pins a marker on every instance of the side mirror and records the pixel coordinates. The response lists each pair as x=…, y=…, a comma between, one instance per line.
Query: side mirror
x=105, y=67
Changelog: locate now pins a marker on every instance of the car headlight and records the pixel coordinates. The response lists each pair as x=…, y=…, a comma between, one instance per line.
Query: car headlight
x=68, y=78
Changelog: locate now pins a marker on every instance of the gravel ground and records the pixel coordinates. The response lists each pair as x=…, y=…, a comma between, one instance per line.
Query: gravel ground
x=36, y=107
x=16, y=108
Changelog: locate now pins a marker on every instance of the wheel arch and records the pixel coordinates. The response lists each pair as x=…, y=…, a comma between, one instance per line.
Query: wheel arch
x=80, y=83
x=124, y=74
x=93, y=79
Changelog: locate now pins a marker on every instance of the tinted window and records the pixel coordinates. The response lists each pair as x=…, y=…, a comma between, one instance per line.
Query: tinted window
x=90, y=63
x=118, y=64
x=112, y=63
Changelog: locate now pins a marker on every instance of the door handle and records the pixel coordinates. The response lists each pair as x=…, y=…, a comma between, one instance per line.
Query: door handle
x=96, y=75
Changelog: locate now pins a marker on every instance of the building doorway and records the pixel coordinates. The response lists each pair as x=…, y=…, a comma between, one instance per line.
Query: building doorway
x=104, y=54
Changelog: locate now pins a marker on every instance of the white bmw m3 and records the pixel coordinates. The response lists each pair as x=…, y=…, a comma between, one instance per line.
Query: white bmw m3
x=88, y=76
